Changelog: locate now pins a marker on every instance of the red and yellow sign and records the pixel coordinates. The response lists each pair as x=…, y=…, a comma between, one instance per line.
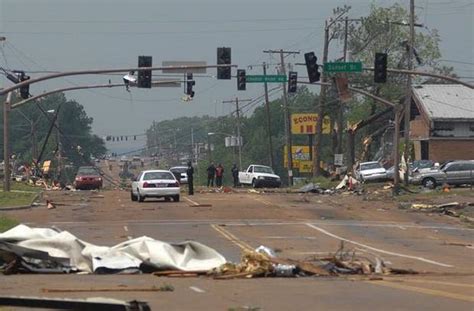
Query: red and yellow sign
x=305, y=123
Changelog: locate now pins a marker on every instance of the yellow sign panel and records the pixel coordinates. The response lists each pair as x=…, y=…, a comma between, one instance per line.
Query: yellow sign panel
x=306, y=166
x=305, y=123
x=46, y=166
x=300, y=154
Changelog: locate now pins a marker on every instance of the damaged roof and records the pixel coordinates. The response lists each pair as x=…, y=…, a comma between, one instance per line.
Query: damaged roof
x=450, y=102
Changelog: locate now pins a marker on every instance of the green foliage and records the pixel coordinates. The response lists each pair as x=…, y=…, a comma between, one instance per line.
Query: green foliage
x=77, y=141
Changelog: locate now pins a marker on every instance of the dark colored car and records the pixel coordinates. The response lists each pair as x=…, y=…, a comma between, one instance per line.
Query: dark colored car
x=88, y=177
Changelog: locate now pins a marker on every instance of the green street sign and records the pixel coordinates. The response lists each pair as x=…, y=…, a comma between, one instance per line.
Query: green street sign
x=267, y=78
x=343, y=67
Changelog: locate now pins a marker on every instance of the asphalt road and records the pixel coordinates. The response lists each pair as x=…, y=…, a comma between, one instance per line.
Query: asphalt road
x=296, y=226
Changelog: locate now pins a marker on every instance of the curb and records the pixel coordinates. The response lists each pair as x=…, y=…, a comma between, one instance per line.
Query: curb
x=20, y=207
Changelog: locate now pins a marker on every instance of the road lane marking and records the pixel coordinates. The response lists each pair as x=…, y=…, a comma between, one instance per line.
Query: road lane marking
x=191, y=201
x=232, y=238
x=125, y=228
x=377, y=249
x=438, y=282
x=254, y=222
x=197, y=289
x=262, y=201
x=422, y=290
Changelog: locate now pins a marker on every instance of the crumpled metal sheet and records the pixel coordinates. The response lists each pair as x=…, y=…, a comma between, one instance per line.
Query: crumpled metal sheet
x=86, y=257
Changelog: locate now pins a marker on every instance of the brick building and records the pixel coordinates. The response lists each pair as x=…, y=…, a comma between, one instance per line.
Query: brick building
x=442, y=122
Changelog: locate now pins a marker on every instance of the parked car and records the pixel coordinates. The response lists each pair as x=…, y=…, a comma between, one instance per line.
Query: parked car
x=180, y=173
x=452, y=173
x=88, y=177
x=259, y=176
x=370, y=171
x=155, y=184
x=415, y=166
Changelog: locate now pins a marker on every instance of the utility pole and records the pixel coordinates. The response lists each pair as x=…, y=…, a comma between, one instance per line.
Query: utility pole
x=58, y=146
x=340, y=114
x=287, y=112
x=322, y=103
x=6, y=143
x=269, y=123
x=406, y=152
x=239, y=137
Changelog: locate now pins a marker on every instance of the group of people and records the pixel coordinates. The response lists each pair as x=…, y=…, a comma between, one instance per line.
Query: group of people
x=217, y=173
x=213, y=173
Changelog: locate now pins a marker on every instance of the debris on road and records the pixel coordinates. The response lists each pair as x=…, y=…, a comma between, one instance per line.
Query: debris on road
x=44, y=250
x=454, y=209
x=164, y=288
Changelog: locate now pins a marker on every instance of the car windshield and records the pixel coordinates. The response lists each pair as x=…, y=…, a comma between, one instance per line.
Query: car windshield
x=179, y=169
x=157, y=175
x=262, y=169
x=370, y=166
x=87, y=171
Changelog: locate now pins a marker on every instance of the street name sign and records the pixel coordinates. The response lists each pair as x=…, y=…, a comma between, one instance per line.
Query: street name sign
x=266, y=78
x=177, y=64
x=343, y=67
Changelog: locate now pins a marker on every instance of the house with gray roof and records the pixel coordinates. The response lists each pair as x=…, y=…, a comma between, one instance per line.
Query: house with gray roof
x=442, y=122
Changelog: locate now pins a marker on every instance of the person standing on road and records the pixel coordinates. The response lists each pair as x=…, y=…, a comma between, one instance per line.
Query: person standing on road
x=190, y=173
x=211, y=172
x=219, y=175
x=235, y=174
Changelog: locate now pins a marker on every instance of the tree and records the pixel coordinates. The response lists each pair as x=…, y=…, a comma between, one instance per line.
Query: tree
x=30, y=125
x=383, y=31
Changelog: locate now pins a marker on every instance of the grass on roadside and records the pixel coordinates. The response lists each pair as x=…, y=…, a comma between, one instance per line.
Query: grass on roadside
x=8, y=199
x=7, y=223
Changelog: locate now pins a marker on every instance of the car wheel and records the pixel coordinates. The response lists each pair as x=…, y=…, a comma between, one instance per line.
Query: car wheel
x=429, y=183
x=140, y=198
x=133, y=197
x=167, y=199
x=176, y=198
x=254, y=183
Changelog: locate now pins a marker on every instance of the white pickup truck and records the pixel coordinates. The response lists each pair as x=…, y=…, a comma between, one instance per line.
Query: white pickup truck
x=259, y=176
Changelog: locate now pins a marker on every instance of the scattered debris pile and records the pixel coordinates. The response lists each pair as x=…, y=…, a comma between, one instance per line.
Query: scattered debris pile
x=263, y=263
x=464, y=210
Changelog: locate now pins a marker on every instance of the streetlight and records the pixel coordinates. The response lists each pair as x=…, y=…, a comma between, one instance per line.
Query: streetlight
x=231, y=144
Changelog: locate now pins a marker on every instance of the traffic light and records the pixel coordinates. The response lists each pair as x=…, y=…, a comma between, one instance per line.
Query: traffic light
x=223, y=58
x=312, y=67
x=380, y=68
x=241, y=80
x=144, y=76
x=189, y=85
x=292, y=81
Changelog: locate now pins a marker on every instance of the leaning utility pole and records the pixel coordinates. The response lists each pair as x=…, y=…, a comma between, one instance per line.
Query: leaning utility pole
x=406, y=151
x=6, y=143
x=237, y=110
x=287, y=113
x=269, y=123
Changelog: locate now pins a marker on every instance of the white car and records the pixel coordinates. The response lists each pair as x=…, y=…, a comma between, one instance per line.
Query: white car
x=370, y=171
x=155, y=184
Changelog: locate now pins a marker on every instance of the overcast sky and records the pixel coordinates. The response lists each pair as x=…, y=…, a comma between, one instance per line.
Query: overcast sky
x=61, y=35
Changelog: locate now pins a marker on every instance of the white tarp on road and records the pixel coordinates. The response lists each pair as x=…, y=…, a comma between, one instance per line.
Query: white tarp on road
x=86, y=257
